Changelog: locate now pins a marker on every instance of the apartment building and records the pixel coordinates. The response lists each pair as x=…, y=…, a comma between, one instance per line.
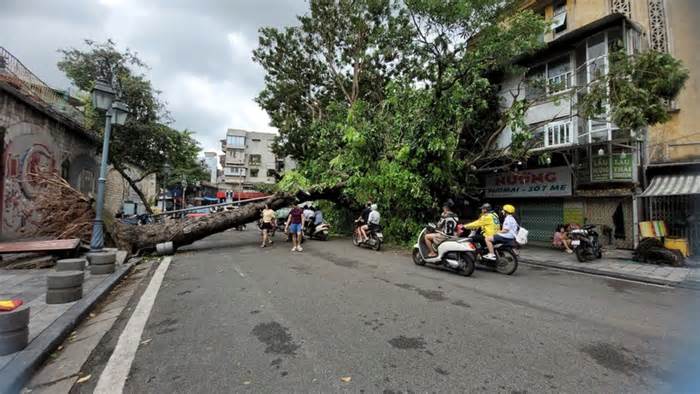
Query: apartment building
x=249, y=161
x=597, y=173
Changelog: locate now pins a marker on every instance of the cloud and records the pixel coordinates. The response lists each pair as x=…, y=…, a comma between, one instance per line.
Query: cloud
x=199, y=52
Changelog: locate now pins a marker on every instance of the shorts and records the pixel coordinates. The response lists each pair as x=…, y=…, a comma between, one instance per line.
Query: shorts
x=266, y=226
x=295, y=228
x=439, y=238
x=499, y=239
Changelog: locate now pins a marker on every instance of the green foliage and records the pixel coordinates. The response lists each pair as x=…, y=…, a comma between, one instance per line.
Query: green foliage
x=397, y=99
x=637, y=89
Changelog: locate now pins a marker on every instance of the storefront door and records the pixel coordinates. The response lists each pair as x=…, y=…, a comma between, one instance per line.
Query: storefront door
x=541, y=217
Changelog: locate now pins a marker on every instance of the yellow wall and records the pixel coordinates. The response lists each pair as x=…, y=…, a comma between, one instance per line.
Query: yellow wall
x=684, y=127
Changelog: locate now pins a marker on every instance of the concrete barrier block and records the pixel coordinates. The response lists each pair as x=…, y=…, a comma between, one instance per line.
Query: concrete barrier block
x=64, y=279
x=71, y=265
x=62, y=296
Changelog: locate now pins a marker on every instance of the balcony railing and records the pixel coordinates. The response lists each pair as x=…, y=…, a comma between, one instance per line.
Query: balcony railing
x=16, y=73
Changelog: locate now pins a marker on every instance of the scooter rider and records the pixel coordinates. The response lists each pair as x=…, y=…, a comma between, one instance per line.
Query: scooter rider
x=446, y=226
x=363, y=219
x=372, y=221
x=508, y=231
x=489, y=224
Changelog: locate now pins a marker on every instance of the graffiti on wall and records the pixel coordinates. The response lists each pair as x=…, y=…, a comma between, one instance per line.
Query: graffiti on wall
x=20, y=188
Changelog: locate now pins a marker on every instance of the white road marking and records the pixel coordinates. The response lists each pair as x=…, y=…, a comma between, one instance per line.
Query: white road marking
x=114, y=376
x=239, y=271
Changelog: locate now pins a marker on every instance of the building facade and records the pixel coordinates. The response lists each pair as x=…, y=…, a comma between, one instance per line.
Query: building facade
x=594, y=172
x=249, y=161
x=211, y=160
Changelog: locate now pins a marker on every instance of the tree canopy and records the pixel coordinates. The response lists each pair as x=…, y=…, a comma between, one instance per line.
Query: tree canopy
x=398, y=100
x=145, y=141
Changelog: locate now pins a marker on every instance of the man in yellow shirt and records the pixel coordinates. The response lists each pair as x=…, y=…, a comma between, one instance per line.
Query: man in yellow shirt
x=490, y=225
x=268, y=225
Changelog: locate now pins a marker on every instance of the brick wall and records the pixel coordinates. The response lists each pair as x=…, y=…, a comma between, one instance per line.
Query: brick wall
x=600, y=211
x=36, y=140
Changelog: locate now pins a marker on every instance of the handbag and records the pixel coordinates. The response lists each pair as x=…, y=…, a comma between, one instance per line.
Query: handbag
x=521, y=236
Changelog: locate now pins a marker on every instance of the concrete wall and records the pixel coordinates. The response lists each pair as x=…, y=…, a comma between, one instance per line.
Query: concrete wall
x=32, y=142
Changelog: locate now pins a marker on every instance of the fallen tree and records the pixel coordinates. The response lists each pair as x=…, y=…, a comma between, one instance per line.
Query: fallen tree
x=184, y=232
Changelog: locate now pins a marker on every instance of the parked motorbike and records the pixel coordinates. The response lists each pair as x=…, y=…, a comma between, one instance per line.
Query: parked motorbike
x=319, y=232
x=241, y=227
x=137, y=220
x=455, y=254
x=585, y=243
x=375, y=238
x=506, y=261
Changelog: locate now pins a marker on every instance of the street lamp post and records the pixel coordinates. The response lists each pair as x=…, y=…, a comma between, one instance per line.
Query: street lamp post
x=115, y=113
x=184, y=189
x=164, y=194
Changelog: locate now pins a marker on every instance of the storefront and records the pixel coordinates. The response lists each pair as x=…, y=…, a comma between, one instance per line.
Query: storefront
x=675, y=200
x=547, y=197
x=539, y=196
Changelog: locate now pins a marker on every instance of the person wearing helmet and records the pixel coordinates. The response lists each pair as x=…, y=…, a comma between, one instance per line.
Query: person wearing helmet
x=489, y=224
x=372, y=222
x=447, y=226
x=509, y=229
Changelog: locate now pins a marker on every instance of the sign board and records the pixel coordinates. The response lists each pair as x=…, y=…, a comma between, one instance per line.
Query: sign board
x=622, y=167
x=541, y=182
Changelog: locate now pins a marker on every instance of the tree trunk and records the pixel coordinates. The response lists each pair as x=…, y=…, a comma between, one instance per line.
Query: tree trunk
x=136, y=188
x=184, y=232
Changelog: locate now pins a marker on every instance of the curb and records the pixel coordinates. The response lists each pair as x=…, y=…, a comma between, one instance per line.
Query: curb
x=593, y=271
x=20, y=369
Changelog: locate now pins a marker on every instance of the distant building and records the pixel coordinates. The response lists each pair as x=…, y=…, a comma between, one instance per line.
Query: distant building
x=249, y=160
x=211, y=160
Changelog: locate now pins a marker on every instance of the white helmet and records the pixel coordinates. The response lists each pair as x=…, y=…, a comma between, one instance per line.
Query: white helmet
x=374, y=207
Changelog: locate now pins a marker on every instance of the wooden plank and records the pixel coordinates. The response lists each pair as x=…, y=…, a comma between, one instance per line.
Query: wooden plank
x=39, y=246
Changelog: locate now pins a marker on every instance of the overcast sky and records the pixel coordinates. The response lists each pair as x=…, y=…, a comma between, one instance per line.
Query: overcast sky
x=199, y=51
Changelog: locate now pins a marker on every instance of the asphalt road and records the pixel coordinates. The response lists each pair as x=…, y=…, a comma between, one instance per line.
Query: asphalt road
x=231, y=317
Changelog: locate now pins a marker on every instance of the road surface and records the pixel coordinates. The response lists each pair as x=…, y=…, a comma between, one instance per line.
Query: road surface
x=232, y=317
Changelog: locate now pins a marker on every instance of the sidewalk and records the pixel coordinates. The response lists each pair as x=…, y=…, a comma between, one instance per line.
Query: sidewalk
x=48, y=324
x=616, y=264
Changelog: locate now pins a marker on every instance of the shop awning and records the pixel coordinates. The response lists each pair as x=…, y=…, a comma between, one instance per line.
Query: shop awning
x=673, y=185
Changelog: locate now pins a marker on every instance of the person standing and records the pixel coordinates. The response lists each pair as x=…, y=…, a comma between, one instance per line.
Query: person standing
x=268, y=219
x=295, y=225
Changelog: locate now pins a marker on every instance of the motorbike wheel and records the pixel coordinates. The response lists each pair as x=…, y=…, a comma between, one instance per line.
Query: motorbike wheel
x=377, y=245
x=322, y=237
x=507, y=262
x=355, y=239
x=583, y=254
x=469, y=265
x=417, y=258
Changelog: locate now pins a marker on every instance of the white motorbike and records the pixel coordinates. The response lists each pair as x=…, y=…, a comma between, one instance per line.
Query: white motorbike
x=455, y=254
x=319, y=232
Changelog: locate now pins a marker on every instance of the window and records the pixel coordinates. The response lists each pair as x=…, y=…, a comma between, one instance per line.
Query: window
x=235, y=171
x=256, y=139
x=254, y=159
x=550, y=78
x=86, y=182
x=271, y=173
x=65, y=170
x=254, y=172
x=558, y=133
x=280, y=165
x=235, y=141
x=559, y=75
x=559, y=18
